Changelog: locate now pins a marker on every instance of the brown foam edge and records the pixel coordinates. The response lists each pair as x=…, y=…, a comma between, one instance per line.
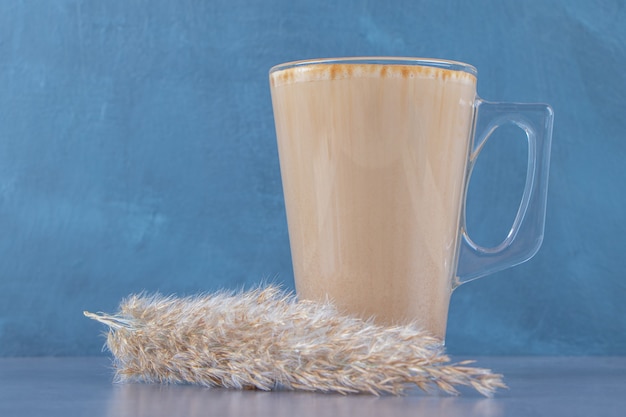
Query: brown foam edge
x=321, y=72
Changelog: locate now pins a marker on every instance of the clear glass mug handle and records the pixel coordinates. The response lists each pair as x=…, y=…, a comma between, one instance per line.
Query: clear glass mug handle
x=526, y=234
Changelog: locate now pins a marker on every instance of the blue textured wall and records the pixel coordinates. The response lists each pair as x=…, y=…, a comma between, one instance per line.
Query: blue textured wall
x=137, y=152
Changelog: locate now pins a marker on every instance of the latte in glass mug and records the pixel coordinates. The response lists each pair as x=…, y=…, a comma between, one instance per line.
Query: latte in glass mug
x=375, y=155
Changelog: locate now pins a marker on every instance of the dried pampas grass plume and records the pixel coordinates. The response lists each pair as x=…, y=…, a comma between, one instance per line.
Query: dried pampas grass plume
x=266, y=339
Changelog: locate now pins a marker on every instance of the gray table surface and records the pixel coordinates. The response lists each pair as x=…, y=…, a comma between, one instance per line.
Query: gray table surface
x=538, y=386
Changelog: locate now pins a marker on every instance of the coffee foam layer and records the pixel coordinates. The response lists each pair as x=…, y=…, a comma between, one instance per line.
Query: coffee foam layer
x=323, y=72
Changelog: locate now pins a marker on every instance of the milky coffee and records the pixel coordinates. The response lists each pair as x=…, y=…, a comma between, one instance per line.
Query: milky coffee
x=373, y=160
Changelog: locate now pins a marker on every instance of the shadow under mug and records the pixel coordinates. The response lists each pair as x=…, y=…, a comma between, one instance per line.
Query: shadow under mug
x=375, y=157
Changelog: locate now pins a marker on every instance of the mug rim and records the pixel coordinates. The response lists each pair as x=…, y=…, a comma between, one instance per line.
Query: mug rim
x=381, y=60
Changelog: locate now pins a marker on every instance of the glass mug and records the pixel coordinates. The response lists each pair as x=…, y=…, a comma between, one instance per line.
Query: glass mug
x=375, y=158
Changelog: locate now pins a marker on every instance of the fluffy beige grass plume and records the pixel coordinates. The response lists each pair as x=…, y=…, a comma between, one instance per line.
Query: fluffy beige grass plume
x=266, y=339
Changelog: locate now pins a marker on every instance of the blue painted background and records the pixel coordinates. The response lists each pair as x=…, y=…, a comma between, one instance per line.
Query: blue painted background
x=137, y=152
